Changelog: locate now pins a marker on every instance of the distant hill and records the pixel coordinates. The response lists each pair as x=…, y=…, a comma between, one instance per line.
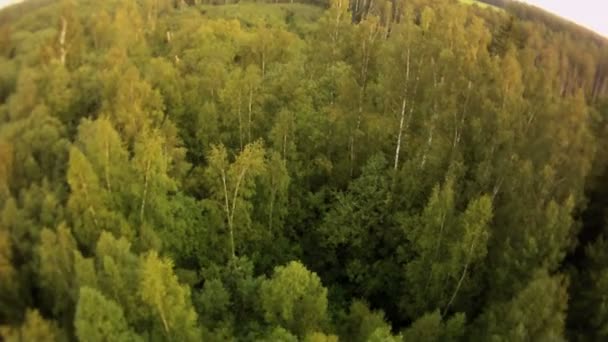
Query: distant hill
x=525, y=11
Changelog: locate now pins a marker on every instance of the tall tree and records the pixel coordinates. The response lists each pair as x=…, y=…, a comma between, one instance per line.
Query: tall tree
x=295, y=299
x=170, y=301
x=55, y=256
x=100, y=319
x=232, y=184
x=34, y=328
x=447, y=245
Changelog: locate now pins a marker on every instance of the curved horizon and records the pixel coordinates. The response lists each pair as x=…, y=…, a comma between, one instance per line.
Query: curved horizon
x=586, y=13
x=590, y=14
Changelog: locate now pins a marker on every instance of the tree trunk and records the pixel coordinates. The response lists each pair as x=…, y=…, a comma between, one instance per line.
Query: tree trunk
x=145, y=192
x=459, y=125
x=233, y=210
x=163, y=319
x=436, y=257
x=86, y=195
x=228, y=215
x=107, y=168
x=403, y=105
x=367, y=46
x=463, y=275
x=429, y=141
x=271, y=209
x=62, y=48
x=401, y=121
x=240, y=121
x=285, y=145
x=250, y=107
x=336, y=34
x=263, y=64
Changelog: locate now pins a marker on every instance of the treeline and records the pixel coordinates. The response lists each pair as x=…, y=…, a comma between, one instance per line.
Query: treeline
x=387, y=171
x=583, y=53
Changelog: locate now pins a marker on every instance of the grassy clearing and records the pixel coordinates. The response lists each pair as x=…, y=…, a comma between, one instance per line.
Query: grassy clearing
x=298, y=17
x=480, y=4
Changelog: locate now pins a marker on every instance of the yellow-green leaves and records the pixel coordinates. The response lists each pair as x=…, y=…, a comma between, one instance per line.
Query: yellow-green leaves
x=233, y=184
x=55, y=256
x=99, y=319
x=170, y=301
x=85, y=204
x=430, y=327
x=447, y=245
x=536, y=313
x=34, y=328
x=295, y=298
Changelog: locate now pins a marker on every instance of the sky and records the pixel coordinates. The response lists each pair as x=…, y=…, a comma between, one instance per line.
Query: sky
x=7, y=2
x=592, y=14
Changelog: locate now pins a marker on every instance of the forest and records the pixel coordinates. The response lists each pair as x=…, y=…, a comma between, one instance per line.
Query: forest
x=317, y=171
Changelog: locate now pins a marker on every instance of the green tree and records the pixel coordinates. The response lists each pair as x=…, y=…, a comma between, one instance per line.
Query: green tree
x=100, y=319
x=170, y=301
x=244, y=311
x=34, y=328
x=55, y=256
x=115, y=264
x=447, y=245
x=587, y=314
x=320, y=337
x=358, y=231
x=363, y=324
x=9, y=282
x=232, y=184
x=431, y=327
x=536, y=313
x=295, y=299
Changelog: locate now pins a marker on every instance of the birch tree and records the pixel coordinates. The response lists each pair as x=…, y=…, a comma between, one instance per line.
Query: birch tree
x=170, y=301
x=232, y=185
x=447, y=245
x=100, y=319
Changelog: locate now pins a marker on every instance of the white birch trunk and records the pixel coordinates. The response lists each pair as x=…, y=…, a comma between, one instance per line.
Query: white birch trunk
x=403, y=106
x=62, y=47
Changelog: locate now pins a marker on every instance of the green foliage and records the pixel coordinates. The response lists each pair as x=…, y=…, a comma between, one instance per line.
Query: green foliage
x=55, y=256
x=100, y=319
x=213, y=302
x=431, y=327
x=446, y=247
x=8, y=276
x=34, y=328
x=170, y=301
x=243, y=310
x=280, y=334
x=320, y=337
x=424, y=160
x=114, y=264
x=587, y=306
x=232, y=184
x=544, y=298
x=362, y=324
x=357, y=229
x=298, y=16
x=294, y=298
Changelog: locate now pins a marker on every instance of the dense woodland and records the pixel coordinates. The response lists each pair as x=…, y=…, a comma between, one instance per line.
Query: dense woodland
x=405, y=170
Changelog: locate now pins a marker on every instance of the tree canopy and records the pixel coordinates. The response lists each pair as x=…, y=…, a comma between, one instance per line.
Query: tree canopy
x=389, y=170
